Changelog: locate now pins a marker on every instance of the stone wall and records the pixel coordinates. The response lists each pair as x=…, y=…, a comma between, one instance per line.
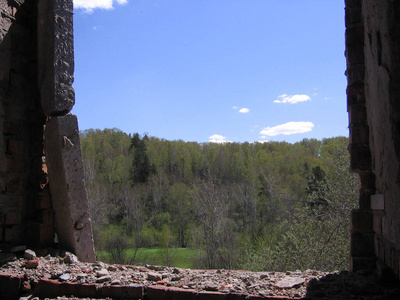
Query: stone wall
x=41, y=172
x=373, y=71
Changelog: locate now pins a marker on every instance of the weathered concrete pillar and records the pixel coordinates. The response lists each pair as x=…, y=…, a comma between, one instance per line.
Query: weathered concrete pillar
x=62, y=145
x=64, y=160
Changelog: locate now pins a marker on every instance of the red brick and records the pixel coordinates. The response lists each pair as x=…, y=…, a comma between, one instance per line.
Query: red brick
x=211, y=296
x=9, y=286
x=182, y=294
x=46, y=234
x=70, y=289
x=12, y=235
x=87, y=290
x=47, y=217
x=13, y=147
x=13, y=165
x=361, y=221
x=3, y=184
x=45, y=201
x=13, y=217
x=157, y=292
x=14, y=186
x=47, y=288
x=116, y=291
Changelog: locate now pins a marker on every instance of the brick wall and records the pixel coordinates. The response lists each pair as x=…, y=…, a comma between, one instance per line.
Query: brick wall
x=373, y=72
x=25, y=217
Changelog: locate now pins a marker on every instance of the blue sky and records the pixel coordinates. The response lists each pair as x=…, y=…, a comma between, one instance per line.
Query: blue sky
x=212, y=70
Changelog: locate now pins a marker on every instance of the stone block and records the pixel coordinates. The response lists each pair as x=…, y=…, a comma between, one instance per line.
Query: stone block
x=359, y=135
x=361, y=221
x=362, y=263
x=355, y=94
x=358, y=115
x=378, y=202
x=377, y=222
x=66, y=180
x=56, y=56
x=362, y=244
x=360, y=158
x=354, y=36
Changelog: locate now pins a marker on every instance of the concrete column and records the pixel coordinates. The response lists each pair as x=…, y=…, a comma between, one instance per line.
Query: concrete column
x=66, y=173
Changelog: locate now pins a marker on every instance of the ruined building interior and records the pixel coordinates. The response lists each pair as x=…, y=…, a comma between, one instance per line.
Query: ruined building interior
x=41, y=173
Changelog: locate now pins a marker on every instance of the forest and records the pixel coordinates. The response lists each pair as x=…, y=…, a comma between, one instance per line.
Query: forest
x=257, y=206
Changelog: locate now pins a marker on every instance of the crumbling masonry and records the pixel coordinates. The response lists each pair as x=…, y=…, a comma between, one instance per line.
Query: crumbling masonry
x=41, y=175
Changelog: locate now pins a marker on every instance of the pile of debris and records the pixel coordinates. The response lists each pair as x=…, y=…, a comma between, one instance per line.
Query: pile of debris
x=53, y=276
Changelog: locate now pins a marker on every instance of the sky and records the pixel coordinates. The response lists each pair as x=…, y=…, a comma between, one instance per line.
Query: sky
x=212, y=70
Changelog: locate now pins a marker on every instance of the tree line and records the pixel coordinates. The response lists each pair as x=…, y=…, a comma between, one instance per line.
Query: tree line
x=260, y=206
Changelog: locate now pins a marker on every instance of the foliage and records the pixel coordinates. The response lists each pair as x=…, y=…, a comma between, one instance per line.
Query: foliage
x=274, y=205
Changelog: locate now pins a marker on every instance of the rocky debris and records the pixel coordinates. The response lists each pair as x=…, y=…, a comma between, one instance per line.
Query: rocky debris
x=289, y=282
x=310, y=284
x=29, y=254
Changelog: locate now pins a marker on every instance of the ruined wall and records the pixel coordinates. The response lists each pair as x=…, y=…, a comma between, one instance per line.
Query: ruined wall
x=41, y=170
x=26, y=216
x=373, y=56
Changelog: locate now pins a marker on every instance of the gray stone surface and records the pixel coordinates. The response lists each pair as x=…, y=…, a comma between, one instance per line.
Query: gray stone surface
x=56, y=56
x=65, y=167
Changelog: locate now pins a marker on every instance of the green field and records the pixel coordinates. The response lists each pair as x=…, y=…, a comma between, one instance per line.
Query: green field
x=173, y=257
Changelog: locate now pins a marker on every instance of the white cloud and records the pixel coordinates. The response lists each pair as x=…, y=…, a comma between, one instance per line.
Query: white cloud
x=235, y=107
x=217, y=138
x=244, y=110
x=292, y=99
x=287, y=129
x=89, y=5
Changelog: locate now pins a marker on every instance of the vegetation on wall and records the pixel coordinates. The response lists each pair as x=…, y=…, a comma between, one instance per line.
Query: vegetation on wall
x=260, y=206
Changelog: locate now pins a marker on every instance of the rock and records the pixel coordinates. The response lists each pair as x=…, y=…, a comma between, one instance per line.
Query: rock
x=70, y=258
x=64, y=277
x=112, y=268
x=31, y=264
x=102, y=272
x=154, y=276
x=154, y=268
x=289, y=282
x=18, y=249
x=264, y=276
x=6, y=257
x=103, y=279
x=29, y=254
x=116, y=282
x=81, y=276
x=211, y=287
x=175, y=278
x=176, y=271
x=26, y=286
x=56, y=274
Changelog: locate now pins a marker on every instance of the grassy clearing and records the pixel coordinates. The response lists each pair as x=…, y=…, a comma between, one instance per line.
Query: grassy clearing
x=173, y=257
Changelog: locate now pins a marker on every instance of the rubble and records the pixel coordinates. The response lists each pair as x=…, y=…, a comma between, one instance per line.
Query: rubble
x=56, y=276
